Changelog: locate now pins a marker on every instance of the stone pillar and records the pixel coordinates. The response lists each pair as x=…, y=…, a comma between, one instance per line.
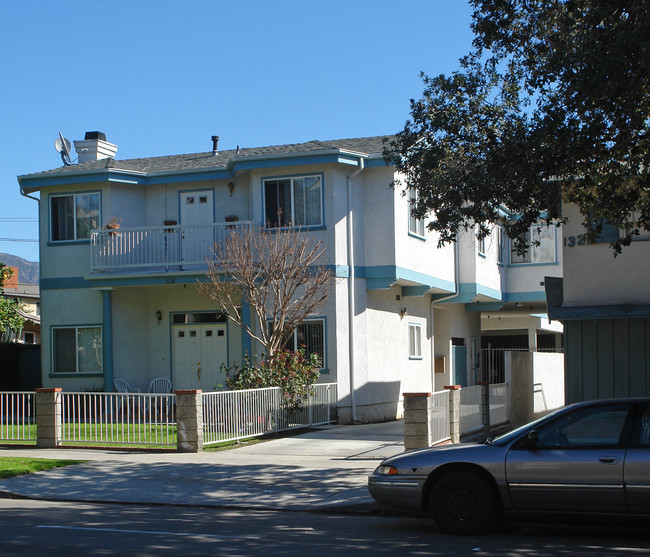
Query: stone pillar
x=485, y=407
x=417, y=420
x=48, y=417
x=189, y=421
x=454, y=412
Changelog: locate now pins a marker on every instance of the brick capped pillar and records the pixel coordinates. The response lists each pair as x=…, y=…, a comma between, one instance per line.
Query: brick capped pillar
x=417, y=421
x=189, y=421
x=454, y=412
x=48, y=417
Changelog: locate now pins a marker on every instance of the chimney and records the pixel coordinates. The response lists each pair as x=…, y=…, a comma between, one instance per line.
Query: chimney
x=12, y=282
x=215, y=142
x=94, y=147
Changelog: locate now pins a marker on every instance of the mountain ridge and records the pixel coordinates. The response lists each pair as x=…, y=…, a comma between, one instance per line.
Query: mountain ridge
x=28, y=271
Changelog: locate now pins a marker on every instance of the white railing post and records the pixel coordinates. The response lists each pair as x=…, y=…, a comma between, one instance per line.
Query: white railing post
x=454, y=412
x=485, y=406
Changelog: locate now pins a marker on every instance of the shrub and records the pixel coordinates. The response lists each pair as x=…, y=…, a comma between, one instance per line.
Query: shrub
x=294, y=372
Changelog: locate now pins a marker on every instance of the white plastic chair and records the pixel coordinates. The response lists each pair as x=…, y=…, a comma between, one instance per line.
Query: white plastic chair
x=122, y=386
x=160, y=385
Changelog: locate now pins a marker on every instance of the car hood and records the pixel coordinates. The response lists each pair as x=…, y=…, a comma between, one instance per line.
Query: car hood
x=435, y=456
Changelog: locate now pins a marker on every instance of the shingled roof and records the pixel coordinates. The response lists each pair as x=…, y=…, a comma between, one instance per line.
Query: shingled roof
x=368, y=146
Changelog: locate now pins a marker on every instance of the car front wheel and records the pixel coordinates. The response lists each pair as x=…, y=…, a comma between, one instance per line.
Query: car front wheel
x=462, y=503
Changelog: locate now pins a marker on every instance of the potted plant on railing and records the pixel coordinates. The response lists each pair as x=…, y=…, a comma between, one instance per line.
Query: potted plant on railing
x=232, y=218
x=113, y=225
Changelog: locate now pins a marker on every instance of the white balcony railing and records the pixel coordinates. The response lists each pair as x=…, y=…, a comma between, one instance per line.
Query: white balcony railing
x=163, y=248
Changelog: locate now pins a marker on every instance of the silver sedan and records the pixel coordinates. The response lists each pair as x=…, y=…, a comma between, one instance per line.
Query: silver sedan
x=591, y=457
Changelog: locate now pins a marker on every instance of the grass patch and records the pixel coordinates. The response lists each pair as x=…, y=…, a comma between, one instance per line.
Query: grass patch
x=129, y=434
x=16, y=466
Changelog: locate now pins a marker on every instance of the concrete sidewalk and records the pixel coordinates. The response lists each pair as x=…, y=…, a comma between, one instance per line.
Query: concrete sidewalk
x=325, y=468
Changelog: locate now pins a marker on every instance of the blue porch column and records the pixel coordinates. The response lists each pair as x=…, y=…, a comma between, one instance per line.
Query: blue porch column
x=246, y=345
x=108, y=340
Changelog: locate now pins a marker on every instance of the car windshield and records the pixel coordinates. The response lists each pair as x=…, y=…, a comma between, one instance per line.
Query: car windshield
x=506, y=438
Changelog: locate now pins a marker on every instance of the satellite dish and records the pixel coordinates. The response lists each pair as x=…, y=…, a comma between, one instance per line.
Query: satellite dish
x=63, y=146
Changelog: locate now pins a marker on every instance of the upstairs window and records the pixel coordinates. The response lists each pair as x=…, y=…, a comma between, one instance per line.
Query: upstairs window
x=540, y=240
x=293, y=202
x=72, y=217
x=500, y=243
x=482, y=246
x=416, y=225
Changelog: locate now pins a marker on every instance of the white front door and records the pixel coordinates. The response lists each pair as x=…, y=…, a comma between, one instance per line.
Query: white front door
x=197, y=217
x=198, y=352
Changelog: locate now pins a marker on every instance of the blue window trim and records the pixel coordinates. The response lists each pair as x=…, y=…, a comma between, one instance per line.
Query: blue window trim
x=53, y=373
x=51, y=242
x=56, y=243
x=321, y=226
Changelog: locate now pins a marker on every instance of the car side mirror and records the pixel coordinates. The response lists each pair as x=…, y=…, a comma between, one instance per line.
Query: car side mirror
x=533, y=437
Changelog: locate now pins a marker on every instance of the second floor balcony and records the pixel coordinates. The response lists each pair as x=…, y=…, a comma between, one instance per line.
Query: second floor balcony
x=158, y=249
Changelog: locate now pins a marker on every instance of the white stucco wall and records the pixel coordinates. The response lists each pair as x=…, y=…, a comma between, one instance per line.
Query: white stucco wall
x=378, y=216
x=73, y=307
x=389, y=371
x=480, y=268
x=536, y=384
x=548, y=382
x=451, y=320
x=593, y=276
x=65, y=259
x=420, y=254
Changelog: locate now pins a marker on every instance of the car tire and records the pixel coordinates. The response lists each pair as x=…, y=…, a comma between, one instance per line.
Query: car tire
x=463, y=503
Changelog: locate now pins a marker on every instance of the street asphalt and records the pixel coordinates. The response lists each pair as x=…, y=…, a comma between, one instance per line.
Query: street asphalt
x=325, y=468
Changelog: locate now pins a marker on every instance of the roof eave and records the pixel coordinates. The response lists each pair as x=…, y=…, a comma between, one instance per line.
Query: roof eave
x=31, y=183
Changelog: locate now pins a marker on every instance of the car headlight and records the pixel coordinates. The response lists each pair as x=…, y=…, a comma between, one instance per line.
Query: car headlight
x=386, y=471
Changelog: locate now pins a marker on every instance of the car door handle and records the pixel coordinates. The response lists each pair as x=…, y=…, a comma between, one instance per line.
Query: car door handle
x=609, y=460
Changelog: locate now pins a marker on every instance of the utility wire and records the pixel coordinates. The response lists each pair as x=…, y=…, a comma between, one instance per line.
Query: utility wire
x=17, y=219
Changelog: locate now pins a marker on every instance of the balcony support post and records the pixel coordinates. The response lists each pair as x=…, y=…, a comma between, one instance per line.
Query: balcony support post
x=107, y=340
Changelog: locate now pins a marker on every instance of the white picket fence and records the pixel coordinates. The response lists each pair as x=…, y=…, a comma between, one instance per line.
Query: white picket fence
x=232, y=415
x=91, y=419
x=471, y=418
x=17, y=419
x=118, y=419
x=499, y=403
x=440, y=429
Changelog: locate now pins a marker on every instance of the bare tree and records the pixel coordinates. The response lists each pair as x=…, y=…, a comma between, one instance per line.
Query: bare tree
x=279, y=273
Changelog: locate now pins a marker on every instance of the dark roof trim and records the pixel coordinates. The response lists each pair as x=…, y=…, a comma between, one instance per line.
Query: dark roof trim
x=119, y=171
x=558, y=311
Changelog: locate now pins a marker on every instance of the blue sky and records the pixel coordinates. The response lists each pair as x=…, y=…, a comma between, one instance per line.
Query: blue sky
x=161, y=77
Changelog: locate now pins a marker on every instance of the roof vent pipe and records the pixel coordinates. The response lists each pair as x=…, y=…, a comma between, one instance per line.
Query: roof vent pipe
x=215, y=142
